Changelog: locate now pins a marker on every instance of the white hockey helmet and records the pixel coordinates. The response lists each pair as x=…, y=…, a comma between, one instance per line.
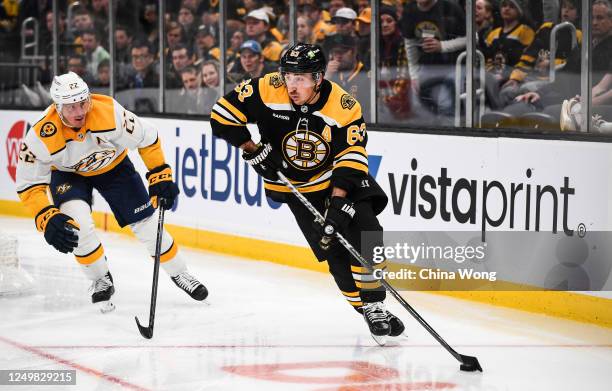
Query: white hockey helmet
x=68, y=88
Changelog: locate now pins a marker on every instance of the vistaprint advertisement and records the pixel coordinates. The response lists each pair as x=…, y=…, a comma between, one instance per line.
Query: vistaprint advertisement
x=537, y=192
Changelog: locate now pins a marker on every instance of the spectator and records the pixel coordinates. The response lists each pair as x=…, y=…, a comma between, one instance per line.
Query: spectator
x=257, y=29
x=483, y=18
x=123, y=40
x=186, y=19
x=210, y=74
x=190, y=99
x=344, y=68
x=236, y=41
x=47, y=33
x=100, y=19
x=571, y=110
x=567, y=83
x=210, y=84
x=320, y=27
x=82, y=20
x=142, y=73
x=78, y=65
x=174, y=37
x=149, y=25
x=94, y=53
x=304, y=30
x=534, y=64
x=363, y=36
x=505, y=44
x=362, y=5
x=334, y=6
x=394, y=81
x=205, y=48
x=9, y=12
x=102, y=75
x=345, y=21
x=435, y=35
x=252, y=63
x=182, y=56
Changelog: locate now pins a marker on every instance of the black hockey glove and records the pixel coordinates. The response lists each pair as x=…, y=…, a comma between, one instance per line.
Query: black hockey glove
x=337, y=217
x=265, y=161
x=60, y=229
x=162, y=189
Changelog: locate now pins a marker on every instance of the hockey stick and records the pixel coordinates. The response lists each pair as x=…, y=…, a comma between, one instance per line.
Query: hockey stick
x=468, y=363
x=147, y=332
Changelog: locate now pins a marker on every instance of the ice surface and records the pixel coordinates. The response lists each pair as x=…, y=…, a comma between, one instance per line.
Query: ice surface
x=270, y=327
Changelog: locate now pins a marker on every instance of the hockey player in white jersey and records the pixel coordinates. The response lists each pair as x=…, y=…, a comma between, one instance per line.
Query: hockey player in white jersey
x=81, y=144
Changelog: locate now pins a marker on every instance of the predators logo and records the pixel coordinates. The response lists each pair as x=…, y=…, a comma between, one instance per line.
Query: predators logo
x=305, y=150
x=94, y=162
x=347, y=101
x=63, y=188
x=48, y=129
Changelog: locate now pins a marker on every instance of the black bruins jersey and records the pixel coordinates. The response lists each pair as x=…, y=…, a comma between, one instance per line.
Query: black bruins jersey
x=323, y=143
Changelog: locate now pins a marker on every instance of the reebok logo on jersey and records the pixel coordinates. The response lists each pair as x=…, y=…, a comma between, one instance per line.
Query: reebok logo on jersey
x=285, y=117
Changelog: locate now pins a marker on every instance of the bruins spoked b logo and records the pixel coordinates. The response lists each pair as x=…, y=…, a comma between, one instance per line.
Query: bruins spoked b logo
x=305, y=150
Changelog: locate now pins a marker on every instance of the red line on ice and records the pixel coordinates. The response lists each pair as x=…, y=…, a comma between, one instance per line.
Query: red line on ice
x=68, y=363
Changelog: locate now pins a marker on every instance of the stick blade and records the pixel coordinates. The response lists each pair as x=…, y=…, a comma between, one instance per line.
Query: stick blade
x=469, y=364
x=146, y=332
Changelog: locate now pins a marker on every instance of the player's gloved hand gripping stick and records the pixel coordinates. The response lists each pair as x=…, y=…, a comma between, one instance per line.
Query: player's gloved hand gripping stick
x=147, y=332
x=339, y=214
x=60, y=229
x=468, y=363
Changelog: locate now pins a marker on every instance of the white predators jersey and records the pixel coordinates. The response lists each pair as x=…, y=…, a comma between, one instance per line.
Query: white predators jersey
x=99, y=146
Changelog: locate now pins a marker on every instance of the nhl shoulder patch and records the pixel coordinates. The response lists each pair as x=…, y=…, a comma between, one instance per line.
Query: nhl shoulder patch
x=48, y=129
x=276, y=80
x=347, y=101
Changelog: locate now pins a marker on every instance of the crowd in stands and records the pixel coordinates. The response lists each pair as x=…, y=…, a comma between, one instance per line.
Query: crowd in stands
x=420, y=42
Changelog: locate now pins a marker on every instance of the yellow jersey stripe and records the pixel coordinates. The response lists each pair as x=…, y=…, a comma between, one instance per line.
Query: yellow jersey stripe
x=226, y=104
x=357, y=149
x=353, y=165
x=90, y=258
x=222, y=120
x=305, y=189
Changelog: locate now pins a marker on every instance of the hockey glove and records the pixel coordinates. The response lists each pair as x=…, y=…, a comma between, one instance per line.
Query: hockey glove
x=60, y=229
x=162, y=189
x=337, y=218
x=265, y=161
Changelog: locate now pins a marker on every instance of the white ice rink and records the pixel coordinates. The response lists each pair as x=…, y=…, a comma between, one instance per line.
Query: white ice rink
x=270, y=327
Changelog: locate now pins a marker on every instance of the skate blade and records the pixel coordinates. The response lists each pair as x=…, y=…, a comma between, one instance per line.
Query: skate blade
x=105, y=306
x=381, y=340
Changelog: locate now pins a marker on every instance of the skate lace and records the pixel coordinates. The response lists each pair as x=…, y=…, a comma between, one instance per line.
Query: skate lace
x=100, y=284
x=375, y=312
x=186, y=281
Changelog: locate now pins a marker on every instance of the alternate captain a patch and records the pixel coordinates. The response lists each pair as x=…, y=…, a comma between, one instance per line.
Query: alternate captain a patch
x=48, y=129
x=347, y=101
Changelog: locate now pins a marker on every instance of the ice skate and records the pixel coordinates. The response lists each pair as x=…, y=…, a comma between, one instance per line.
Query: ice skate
x=376, y=317
x=103, y=289
x=397, y=326
x=190, y=285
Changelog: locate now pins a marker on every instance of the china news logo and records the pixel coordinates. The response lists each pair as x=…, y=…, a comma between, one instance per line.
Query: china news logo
x=12, y=144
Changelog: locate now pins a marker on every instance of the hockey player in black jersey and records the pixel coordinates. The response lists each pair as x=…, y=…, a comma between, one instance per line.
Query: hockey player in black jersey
x=314, y=132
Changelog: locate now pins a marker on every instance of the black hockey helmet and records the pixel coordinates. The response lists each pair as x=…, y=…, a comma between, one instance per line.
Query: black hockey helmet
x=303, y=58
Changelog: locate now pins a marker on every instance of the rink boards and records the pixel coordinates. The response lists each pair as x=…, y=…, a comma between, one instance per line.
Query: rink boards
x=487, y=184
